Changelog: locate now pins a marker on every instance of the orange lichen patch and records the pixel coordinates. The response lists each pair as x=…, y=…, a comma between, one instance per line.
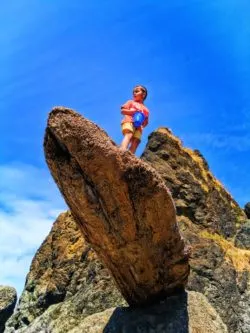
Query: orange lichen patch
x=238, y=257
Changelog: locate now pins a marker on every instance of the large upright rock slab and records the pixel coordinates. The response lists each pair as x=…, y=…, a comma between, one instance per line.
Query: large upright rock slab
x=122, y=206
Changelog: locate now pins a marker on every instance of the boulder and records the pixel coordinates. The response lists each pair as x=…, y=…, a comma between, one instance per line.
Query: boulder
x=182, y=313
x=187, y=312
x=121, y=205
x=8, y=298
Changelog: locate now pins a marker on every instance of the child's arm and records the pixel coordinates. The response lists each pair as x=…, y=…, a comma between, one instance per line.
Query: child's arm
x=127, y=111
x=144, y=124
x=146, y=114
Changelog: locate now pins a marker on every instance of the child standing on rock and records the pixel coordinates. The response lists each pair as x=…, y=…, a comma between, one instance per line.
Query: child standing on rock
x=135, y=119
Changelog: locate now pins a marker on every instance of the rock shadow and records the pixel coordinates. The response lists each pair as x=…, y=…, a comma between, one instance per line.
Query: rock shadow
x=167, y=316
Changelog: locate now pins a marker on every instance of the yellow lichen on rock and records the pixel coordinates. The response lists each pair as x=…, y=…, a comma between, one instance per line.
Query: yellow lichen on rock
x=238, y=257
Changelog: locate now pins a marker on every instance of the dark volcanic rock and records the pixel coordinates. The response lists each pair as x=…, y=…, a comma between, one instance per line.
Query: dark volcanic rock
x=122, y=207
x=8, y=298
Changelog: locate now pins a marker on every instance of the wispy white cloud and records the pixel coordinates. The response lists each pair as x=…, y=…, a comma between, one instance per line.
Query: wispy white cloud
x=29, y=204
x=238, y=143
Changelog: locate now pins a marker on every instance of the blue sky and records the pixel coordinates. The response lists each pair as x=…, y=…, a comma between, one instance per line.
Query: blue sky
x=193, y=56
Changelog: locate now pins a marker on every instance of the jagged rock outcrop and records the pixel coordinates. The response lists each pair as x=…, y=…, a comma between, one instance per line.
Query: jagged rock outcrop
x=8, y=298
x=198, y=195
x=209, y=219
x=121, y=205
x=67, y=274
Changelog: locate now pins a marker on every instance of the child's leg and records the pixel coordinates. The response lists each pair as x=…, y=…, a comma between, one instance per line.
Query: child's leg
x=127, y=131
x=134, y=144
x=126, y=140
x=135, y=141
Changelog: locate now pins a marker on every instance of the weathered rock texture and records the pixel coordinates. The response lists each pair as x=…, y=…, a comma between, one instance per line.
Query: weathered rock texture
x=8, y=298
x=242, y=239
x=121, y=205
x=198, y=195
x=247, y=209
x=65, y=273
x=209, y=218
x=219, y=269
x=183, y=313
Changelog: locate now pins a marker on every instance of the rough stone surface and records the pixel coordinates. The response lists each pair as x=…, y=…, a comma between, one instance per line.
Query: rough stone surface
x=8, y=298
x=65, y=269
x=198, y=195
x=247, y=209
x=183, y=313
x=219, y=269
x=209, y=219
x=242, y=239
x=121, y=205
